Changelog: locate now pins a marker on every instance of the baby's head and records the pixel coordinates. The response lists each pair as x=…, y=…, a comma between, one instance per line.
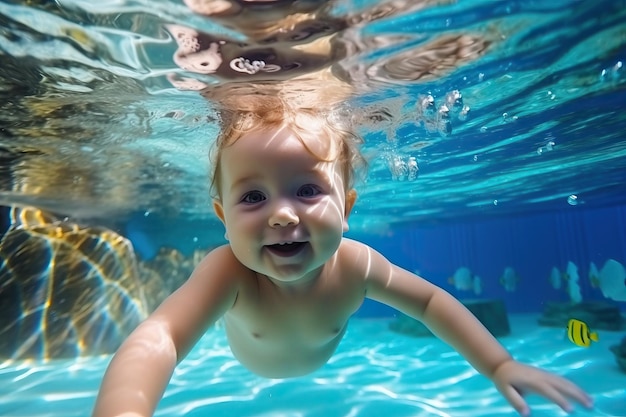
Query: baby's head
x=326, y=137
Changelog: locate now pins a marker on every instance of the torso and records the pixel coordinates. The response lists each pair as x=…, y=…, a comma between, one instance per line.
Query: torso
x=278, y=334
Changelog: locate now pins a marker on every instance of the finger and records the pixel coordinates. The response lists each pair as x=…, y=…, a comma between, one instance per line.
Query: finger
x=554, y=394
x=516, y=400
x=574, y=392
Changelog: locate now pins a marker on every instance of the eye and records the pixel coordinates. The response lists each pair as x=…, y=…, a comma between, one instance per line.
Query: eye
x=308, y=191
x=253, y=197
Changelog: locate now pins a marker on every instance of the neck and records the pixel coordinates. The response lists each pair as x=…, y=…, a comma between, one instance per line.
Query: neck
x=300, y=285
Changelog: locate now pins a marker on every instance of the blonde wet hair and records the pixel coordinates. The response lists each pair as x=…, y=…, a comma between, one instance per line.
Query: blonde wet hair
x=259, y=112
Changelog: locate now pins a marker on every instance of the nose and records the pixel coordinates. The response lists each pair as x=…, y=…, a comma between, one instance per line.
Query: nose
x=283, y=215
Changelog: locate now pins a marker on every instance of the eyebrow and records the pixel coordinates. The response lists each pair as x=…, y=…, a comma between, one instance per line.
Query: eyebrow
x=243, y=180
x=317, y=173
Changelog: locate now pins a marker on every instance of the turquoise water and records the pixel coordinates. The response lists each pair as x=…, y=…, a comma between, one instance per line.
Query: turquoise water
x=374, y=372
x=93, y=131
x=87, y=91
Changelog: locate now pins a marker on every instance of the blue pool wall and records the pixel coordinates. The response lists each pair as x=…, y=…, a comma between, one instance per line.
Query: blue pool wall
x=530, y=243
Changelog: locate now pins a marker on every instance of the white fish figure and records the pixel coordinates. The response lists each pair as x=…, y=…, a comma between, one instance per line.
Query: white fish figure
x=463, y=279
x=573, y=289
x=509, y=279
x=478, y=285
x=612, y=280
x=555, y=278
x=594, y=275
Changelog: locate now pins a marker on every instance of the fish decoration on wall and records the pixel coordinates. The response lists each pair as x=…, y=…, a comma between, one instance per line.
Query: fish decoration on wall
x=572, y=278
x=611, y=280
x=594, y=274
x=555, y=278
x=509, y=279
x=465, y=280
x=568, y=280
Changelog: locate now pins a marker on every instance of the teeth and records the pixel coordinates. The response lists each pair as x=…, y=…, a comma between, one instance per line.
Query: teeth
x=286, y=243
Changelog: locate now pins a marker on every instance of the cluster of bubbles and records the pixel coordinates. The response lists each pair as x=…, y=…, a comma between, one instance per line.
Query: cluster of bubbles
x=572, y=199
x=613, y=73
x=389, y=115
x=403, y=169
x=438, y=117
x=546, y=148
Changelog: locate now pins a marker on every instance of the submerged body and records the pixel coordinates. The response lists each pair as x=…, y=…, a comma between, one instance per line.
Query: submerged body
x=288, y=281
x=277, y=335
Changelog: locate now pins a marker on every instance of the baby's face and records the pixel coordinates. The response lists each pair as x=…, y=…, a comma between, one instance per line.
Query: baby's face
x=284, y=210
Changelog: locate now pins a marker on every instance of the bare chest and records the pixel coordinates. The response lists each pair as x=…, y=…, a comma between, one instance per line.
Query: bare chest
x=311, y=318
x=276, y=334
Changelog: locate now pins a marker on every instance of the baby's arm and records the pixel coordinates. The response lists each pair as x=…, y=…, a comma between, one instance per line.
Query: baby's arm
x=457, y=326
x=141, y=369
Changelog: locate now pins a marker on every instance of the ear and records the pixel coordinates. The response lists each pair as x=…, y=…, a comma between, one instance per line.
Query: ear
x=350, y=200
x=219, y=211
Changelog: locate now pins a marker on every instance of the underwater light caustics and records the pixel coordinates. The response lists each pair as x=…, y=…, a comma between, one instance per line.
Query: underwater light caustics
x=79, y=292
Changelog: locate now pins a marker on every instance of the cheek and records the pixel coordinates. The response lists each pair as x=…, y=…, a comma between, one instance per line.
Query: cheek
x=242, y=220
x=329, y=212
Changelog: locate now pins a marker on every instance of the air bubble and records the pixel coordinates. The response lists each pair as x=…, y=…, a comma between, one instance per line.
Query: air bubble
x=412, y=168
x=613, y=73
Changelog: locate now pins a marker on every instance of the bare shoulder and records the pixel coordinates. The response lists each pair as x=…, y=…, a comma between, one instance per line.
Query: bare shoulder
x=219, y=261
x=352, y=246
x=357, y=258
x=219, y=271
x=357, y=252
x=212, y=287
x=207, y=295
x=385, y=281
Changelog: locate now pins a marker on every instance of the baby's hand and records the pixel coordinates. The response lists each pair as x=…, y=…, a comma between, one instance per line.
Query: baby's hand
x=514, y=380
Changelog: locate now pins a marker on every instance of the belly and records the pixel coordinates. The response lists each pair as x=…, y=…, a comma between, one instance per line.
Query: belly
x=281, y=357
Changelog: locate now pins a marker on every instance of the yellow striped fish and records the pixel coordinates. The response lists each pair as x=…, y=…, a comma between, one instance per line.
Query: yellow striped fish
x=578, y=332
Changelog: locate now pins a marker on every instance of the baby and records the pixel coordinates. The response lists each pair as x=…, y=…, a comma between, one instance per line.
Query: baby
x=288, y=281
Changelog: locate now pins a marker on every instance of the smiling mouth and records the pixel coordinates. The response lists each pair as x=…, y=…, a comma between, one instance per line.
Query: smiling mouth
x=286, y=249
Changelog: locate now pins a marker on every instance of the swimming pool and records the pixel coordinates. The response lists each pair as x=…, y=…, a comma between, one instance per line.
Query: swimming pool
x=103, y=129
x=374, y=372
